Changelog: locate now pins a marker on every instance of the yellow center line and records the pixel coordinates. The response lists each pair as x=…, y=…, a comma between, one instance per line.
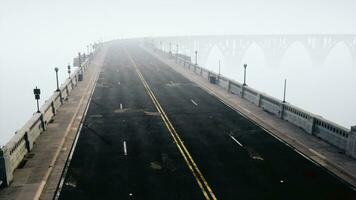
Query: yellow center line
x=203, y=184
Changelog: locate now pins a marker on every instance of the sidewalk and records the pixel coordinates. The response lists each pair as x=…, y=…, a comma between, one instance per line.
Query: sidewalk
x=311, y=147
x=40, y=175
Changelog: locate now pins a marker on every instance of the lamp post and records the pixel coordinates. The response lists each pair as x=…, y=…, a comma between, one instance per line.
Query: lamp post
x=196, y=57
x=68, y=70
x=285, y=90
x=79, y=61
x=177, y=54
x=219, y=67
x=56, y=70
x=37, y=93
x=245, y=66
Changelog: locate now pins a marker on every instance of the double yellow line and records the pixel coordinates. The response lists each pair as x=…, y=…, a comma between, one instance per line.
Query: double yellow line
x=203, y=184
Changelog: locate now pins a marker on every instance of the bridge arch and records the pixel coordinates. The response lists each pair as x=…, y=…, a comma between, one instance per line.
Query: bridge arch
x=212, y=62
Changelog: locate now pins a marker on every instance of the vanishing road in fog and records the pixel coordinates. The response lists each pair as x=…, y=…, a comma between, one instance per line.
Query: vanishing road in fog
x=152, y=134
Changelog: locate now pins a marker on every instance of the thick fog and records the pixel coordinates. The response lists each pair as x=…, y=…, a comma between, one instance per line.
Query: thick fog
x=36, y=36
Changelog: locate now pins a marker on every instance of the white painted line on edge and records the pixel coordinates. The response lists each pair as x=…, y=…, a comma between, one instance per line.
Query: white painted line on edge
x=125, y=150
x=234, y=139
x=120, y=106
x=194, y=102
x=316, y=153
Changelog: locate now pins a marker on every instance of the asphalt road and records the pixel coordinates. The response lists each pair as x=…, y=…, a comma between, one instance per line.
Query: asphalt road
x=152, y=134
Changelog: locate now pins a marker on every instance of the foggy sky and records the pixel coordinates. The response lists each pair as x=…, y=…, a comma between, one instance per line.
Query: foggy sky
x=36, y=36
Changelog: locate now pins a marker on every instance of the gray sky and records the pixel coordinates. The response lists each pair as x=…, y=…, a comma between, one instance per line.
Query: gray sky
x=36, y=36
x=93, y=19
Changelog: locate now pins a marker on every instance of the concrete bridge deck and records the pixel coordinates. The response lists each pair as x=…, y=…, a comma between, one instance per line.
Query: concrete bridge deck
x=150, y=133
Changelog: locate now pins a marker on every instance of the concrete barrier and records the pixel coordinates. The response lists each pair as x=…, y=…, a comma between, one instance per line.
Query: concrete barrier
x=12, y=154
x=351, y=143
x=330, y=132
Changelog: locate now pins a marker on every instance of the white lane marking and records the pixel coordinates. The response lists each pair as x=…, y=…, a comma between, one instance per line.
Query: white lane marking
x=234, y=139
x=119, y=82
x=316, y=153
x=171, y=82
x=125, y=150
x=194, y=102
x=117, y=71
x=120, y=106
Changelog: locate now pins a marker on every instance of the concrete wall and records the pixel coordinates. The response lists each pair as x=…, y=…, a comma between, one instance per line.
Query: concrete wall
x=332, y=133
x=351, y=143
x=14, y=151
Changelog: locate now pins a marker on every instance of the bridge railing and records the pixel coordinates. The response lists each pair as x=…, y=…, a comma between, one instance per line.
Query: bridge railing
x=339, y=136
x=13, y=153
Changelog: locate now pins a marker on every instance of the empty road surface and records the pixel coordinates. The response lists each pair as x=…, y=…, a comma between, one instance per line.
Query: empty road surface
x=149, y=133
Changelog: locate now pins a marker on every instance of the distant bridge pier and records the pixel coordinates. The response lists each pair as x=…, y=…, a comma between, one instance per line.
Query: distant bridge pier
x=274, y=47
x=351, y=44
x=319, y=48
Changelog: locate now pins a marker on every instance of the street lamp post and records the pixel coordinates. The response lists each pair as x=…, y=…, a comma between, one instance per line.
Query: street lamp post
x=79, y=60
x=196, y=57
x=245, y=66
x=219, y=67
x=177, y=54
x=68, y=70
x=56, y=70
x=285, y=90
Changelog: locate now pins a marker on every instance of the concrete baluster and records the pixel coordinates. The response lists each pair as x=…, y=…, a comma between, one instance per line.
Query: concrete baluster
x=5, y=166
x=67, y=90
x=281, y=110
x=312, y=125
x=71, y=82
x=228, y=85
x=27, y=141
x=242, y=91
x=60, y=97
x=258, y=103
x=43, y=124
x=53, y=108
x=351, y=143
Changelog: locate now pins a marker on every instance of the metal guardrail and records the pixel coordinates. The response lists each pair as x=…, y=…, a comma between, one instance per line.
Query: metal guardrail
x=337, y=135
x=12, y=154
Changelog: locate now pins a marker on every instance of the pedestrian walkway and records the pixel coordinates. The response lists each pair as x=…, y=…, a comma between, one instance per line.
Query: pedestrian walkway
x=41, y=173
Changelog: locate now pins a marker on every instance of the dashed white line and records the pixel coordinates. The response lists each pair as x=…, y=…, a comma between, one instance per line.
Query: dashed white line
x=234, y=139
x=125, y=150
x=119, y=83
x=194, y=102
